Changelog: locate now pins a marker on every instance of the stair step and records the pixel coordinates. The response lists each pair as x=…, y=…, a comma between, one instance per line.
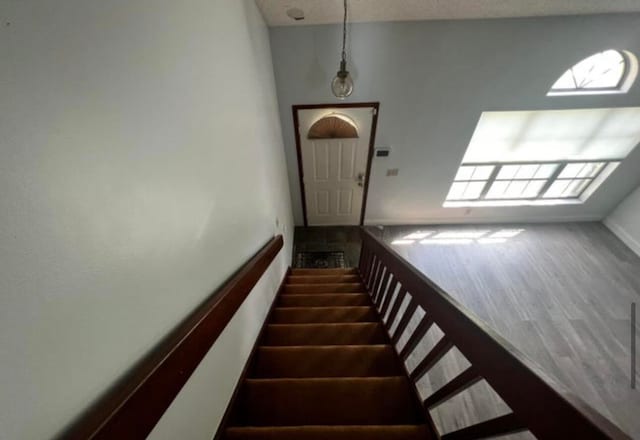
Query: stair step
x=349, y=271
x=324, y=288
x=328, y=401
x=371, y=432
x=301, y=315
x=323, y=279
x=328, y=299
x=360, y=333
x=326, y=361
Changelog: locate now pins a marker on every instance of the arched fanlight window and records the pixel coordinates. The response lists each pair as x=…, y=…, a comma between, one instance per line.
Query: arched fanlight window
x=611, y=71
x=333, y=126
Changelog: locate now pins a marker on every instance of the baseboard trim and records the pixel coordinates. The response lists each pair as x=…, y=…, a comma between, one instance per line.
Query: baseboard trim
x=480, y=220
x=623, y=235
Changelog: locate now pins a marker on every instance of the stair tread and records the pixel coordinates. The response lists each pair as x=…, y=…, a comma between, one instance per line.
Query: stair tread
x=325, y=334
x=323, y=314
x=326, y=308
x=357, y=287
x=336, y=294
x=326, y=284
x=325, y=380
x=369, y=432
x=321, y=293
x=328, y=347
x=329, y=401
x=346, y=271
x=325, y=361
x=309, y=279
x=326, y=299
x=330, y=324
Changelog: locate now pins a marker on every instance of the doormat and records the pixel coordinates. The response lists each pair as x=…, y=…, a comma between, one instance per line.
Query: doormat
x=320, y=260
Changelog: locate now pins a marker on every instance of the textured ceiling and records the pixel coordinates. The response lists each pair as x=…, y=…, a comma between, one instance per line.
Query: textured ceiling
x=330, y=11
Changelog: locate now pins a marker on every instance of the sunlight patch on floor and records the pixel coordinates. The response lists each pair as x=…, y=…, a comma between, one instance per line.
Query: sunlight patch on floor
x=451, y=237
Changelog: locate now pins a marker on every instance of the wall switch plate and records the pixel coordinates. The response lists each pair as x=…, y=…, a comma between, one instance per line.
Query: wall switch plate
x=392, y=172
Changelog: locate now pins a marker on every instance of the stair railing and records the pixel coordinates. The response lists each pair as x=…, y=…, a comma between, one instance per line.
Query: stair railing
x=133, y=406
x=538, y=404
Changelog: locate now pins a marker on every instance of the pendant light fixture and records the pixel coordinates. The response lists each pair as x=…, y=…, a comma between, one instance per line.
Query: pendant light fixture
x=342, y=84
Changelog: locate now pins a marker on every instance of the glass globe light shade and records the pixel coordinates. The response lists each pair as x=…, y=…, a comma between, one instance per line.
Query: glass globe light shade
x=342, y=84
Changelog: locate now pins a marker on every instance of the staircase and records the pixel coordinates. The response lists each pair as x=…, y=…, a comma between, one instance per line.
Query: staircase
x=324, y=369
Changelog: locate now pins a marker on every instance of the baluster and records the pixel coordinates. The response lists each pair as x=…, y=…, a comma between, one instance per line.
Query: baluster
x=381, y=289
x=441, y=348
x=376, y=283
x=461, y=382
x=387, y=299
x=402, y=294
x=371, y=266
x=372, y=272
x=406, y=317
x=416, y=337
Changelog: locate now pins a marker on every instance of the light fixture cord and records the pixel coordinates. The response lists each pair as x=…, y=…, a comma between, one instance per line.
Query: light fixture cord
x=344, y=33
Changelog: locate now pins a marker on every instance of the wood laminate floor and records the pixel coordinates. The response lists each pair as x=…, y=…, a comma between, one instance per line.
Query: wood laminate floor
x=561, y=293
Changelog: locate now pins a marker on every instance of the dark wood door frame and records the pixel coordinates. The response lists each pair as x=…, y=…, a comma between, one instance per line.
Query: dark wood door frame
x=372, y=139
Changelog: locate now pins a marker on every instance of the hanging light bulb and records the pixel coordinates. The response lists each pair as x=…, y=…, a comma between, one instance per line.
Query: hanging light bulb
x=342, y=84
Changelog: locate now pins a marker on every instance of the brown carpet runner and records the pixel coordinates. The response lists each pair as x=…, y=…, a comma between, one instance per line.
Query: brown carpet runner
x=325, y=369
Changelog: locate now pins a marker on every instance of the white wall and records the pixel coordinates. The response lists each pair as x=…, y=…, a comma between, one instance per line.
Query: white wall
x=433, y=80
x=141, y=164
x=624, y=221
x=199, y=407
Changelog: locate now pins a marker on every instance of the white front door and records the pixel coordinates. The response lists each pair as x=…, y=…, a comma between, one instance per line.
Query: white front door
x=334, y=170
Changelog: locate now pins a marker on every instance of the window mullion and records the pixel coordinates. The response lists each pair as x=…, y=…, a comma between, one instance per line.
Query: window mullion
x=492, y=178
x=464, y=191
x=551, y=179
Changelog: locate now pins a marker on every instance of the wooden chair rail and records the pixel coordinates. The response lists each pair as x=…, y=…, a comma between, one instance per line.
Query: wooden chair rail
x=135, y=404
x=539, y=404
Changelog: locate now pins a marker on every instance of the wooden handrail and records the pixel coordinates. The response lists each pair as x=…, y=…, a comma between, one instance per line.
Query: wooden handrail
x=539, y=404
x=131, y=408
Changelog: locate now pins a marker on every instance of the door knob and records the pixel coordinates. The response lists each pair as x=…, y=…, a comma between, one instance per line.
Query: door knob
x=360, y=179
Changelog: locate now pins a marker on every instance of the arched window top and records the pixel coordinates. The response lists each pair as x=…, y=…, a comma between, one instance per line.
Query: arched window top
x=333, y=126
x=611, y=71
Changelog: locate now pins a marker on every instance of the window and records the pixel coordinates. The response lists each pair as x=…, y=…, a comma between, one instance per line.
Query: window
x=333, y=126
x=610, y=71
x=470, y=182
x=542, y=157
x=525, y=181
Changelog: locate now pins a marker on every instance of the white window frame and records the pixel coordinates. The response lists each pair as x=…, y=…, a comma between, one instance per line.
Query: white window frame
x=628, y=77
x=548, y=182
